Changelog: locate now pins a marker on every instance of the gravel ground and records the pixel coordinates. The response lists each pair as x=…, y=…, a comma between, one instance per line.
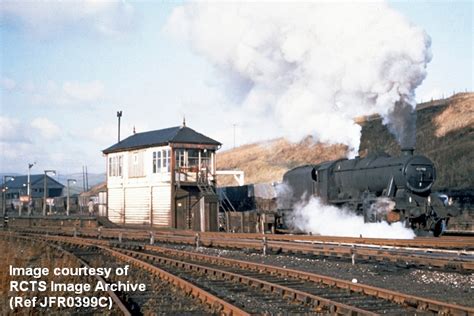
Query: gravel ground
x=23, y=254
x=451, y=287
x=250, y=299
x=160, y=298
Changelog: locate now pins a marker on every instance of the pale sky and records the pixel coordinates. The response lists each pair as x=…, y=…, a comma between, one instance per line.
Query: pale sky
x=67, y=67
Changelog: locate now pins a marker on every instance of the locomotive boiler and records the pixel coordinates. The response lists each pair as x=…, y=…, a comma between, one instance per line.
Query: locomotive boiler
x=378, y=187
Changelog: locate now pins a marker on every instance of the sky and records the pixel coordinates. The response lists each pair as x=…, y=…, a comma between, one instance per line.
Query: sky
x=67, y=67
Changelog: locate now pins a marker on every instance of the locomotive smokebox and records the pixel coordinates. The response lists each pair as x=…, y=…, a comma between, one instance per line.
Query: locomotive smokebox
x=408, y=151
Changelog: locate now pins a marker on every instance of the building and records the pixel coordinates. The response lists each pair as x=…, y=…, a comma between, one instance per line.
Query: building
x=18, y=187
x=163, y=178
x=98, y=195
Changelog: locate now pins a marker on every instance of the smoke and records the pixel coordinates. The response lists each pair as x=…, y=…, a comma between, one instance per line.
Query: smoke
x=318, y=218
x=381, y=207
x=284, y=195
x=401, y=122
x=308, y=68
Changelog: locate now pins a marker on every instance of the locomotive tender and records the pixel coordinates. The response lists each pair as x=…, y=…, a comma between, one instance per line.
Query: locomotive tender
x=364, y=184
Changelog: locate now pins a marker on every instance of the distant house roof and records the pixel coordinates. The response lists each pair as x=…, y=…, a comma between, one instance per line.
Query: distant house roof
x=178, y=134
x=101, y=187
x=36, y=180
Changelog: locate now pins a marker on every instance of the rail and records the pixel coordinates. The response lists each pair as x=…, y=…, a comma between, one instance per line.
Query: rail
x=118, y=302
x=421, y=304
x=205, y=297
x=430, y=258
x=400, y=298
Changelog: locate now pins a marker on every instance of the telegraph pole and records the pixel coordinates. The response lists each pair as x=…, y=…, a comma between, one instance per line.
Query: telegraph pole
x=87, y=179
x=83, y=180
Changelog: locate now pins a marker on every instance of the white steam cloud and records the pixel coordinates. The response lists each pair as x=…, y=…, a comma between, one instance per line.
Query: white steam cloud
x=309, y=68
x=318, y=218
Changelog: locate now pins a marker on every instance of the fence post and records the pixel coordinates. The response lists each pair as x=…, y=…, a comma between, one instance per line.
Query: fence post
x=264, y=246
x=197, y=240
x=353, y=254
x=152, y=238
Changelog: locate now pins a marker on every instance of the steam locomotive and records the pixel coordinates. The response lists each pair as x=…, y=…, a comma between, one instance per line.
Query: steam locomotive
x=361, y=184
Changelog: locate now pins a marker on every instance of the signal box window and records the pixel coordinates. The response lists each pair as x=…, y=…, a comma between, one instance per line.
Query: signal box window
x=115, y=166
x=161, y=161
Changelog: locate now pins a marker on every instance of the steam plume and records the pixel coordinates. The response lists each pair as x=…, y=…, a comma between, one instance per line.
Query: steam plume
x=309, y=68
x=401, y=122
x=322, y=219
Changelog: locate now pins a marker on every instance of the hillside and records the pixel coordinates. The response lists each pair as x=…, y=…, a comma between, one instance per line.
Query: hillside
x=445, y=134
x=268, y=161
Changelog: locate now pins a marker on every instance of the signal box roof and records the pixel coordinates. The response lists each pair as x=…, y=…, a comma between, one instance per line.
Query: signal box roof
x=162, y=137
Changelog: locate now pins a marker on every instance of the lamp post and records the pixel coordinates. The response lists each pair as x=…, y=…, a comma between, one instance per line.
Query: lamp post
x=4, y=191
x=119, y=115
x=67, y=205
x=28, y=189
x=45, y=187
x=20, y=207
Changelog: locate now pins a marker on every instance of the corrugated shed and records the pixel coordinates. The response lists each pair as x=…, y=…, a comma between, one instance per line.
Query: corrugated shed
x=36, y=180
x=116, y=204
x=137, y=205
x=143, y=205
x=161, y=203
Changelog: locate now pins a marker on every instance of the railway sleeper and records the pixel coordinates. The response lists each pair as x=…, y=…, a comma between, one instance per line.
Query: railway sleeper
x=289, y=295
x=436, y=307
x=304, y=299
x=369, y=304
x=334, y=294
x=264, y=297
x=454, y=266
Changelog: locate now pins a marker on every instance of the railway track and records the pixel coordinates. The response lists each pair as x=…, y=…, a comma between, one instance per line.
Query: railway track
x=444, y=242
x=457, y=243
x=250, y=295
x=276, y=290
x=374, y=299
x=159, y=295
x=166, y=293
x=444, y=259
x=118, y=305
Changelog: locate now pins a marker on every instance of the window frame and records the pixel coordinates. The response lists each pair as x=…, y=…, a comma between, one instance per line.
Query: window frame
x=161, y=161
x=116, y=166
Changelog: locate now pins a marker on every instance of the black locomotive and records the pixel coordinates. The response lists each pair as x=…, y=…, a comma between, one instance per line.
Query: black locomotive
x=361, y=183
